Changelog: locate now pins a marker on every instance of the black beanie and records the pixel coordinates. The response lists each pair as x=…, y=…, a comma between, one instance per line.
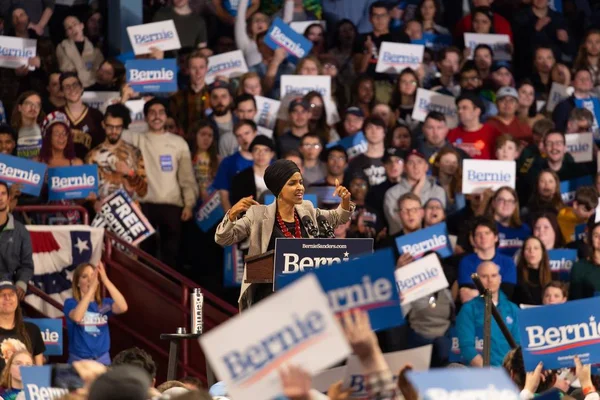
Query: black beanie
x=278, y=173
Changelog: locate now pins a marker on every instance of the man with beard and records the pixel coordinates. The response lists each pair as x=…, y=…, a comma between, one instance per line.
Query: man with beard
x=86, y=122
x=120, y=164
x=222, y=117
x=471, y=82
x=15, y=247
x=172, y=188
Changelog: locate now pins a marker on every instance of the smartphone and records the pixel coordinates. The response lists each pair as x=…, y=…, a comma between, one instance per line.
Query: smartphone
x=64, y=376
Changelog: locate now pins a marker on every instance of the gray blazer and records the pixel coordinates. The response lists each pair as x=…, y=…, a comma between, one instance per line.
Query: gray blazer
x=258, y=224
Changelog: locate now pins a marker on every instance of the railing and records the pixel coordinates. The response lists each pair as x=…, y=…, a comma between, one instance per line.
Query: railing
x=146, y=276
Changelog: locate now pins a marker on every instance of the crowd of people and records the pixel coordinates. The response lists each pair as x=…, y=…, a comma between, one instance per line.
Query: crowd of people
x=204, y=140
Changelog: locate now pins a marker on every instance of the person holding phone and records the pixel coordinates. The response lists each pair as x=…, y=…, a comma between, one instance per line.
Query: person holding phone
x=88, y=312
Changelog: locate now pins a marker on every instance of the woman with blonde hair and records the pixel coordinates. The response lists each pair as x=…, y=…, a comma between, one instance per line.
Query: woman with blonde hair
x=11, y=383
x=87, y=314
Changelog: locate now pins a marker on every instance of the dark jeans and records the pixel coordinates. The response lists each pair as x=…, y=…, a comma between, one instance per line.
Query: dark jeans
x=166, y=220
x=440, y=353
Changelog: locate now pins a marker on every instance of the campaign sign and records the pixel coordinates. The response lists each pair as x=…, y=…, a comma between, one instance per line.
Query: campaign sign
x=436, y=42
x=145, y=76
x=29, y=174
x=420, y=278
x=394, y=57
x=554, y=334
x=355, y=145
x=233, y=266
x=231, y=65
x=580, y=231
x=568, y=188
x=479, y=175
x=354, y=379
x=300, y=26
x=428, y=101
x=97, y=100
x=52, y=334
x=124, y=218
x=558, y=93
x=281, y=34
x=210, y=212
x=580, y=145
x=162, y=35
x=500, y=44
x=464, y=383
x=366, y=283
x=455, y=355
x=37, y=381
x=269, y=199
x=138, y=120
x=74, y=182
x=16, y=52
x=323, y=380
x=561, y=262
x=294, y=256
x=434, y=238
x=325, y=195
x=278, y=331
x=266, y=112
x=295, y=86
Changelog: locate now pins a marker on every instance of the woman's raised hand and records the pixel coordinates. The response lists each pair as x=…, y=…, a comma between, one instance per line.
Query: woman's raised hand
x=241, y=206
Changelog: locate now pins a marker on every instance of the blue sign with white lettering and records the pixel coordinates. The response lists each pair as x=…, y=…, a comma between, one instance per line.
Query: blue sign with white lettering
x=568, y=188
x=463, y=383
x=435, y=238
x=295, y=256
x=74, y=182
x=52, y=334
x=354, y=145
x=281, y=34
x=233, y=266
x=154, y=76
x=210, y=212
x=561, y=262
x=269, y=199
x=455, y=355
x=325, y=195
x=367, y=283
x=580, y=231
x=554, y=334
x=29, y=174
x=37, y=382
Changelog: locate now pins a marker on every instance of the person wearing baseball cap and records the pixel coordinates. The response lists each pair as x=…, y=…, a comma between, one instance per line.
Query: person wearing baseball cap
x=354, y=119
x=415, y=181
x=507, y=100
x=393, y=162
x=299, y=118
x=471, y=136
x=370, y=161
x=251, y=182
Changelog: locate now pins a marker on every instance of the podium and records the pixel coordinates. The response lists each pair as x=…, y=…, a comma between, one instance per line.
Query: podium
x=304, y=255
x=259, y=268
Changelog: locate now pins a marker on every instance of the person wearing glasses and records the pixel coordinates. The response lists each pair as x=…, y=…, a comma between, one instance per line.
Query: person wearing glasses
x=85, y=122
x=26, y=120
x=120, y=164
x=311, y=148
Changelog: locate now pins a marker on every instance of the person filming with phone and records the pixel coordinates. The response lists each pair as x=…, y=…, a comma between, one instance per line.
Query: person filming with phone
x=88, y=312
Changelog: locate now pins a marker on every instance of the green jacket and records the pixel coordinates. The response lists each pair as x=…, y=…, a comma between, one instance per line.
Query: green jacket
x=585, y=280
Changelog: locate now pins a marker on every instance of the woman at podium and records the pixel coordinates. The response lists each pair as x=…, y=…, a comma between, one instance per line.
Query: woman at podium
x=289, y=216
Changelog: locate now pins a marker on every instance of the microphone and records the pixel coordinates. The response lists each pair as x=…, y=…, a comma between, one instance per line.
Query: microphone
x=325, y=227
x=310, y=226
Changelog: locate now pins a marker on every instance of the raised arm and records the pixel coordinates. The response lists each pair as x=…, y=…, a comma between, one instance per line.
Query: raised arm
x=232, y=229
x=120, y=305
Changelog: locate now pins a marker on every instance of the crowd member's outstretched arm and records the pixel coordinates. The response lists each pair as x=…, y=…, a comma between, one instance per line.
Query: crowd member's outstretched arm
x=379, y=380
